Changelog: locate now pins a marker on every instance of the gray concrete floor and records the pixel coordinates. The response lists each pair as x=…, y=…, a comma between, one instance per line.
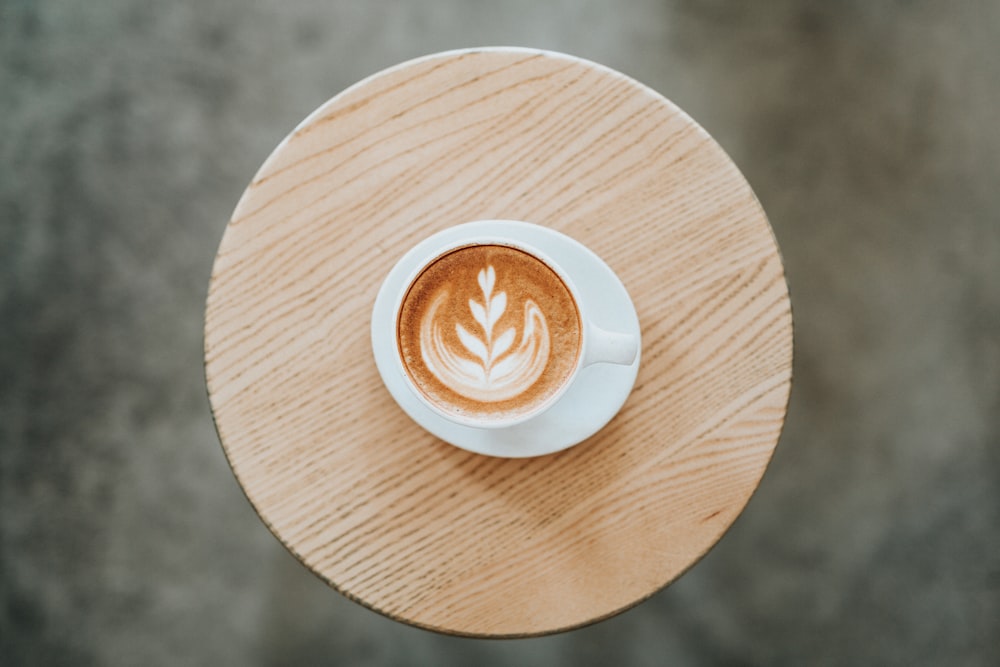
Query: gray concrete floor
x=869, y=130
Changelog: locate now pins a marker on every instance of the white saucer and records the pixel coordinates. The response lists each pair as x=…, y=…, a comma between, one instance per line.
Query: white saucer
x=587, y=406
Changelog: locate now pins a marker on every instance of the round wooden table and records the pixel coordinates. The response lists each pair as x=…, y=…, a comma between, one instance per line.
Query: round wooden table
x=422, y=531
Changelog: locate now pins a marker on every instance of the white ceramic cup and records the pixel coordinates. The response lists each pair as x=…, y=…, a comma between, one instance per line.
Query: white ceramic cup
x=597, y=345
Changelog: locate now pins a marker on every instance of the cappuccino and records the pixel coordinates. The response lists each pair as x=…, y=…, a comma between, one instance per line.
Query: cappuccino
x=488, y=332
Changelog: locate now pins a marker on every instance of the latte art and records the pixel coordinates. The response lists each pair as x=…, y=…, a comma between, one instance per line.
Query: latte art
x=488, y=331
x=491, y=368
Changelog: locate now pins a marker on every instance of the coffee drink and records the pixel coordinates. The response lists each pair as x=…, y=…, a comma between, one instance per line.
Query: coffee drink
x=488, y=332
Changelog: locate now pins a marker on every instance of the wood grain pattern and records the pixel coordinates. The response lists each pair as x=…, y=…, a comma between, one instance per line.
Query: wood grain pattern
x=428, y=533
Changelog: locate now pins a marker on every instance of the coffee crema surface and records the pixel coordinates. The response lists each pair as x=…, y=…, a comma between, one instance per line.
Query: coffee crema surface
x=488, y=331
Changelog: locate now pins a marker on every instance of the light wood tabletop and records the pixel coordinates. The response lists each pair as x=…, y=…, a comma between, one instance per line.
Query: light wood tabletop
x=422, y=531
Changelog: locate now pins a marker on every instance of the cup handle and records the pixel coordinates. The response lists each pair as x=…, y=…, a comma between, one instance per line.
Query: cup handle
x=609, y=347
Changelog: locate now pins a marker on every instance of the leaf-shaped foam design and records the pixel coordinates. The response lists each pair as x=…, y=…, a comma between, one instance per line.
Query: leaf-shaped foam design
x=498, y=305
x=473, y=344
x=499, y=369
x=479, y=314
x=502, y=344
x=487, y=279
